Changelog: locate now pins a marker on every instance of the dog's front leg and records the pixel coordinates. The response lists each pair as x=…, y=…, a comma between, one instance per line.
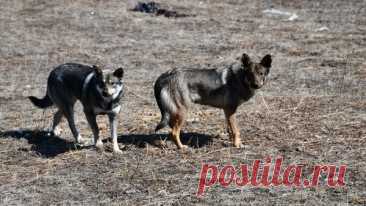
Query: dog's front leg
x=113, y=121
x=233, y=128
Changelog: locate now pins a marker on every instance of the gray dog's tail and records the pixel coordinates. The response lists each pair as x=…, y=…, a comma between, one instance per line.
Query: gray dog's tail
x=164, y=115
x=158, y=87
x=163, y=123
x=41, y=103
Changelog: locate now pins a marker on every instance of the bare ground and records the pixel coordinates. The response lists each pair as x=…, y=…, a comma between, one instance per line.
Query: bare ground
x=312, y=111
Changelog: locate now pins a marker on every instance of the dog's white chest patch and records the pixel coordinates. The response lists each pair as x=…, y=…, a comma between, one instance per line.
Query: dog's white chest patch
x=117, y=91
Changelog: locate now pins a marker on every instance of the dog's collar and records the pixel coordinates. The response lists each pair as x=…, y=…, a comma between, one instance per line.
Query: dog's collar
x=86, y=83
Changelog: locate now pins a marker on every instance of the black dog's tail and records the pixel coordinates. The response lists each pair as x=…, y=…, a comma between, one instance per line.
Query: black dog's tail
x=41, y=103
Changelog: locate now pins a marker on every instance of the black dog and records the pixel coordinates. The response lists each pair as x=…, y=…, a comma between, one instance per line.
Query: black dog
x=98, y=93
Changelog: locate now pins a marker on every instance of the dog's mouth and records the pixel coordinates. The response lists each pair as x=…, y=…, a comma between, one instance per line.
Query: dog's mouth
x=105, y=93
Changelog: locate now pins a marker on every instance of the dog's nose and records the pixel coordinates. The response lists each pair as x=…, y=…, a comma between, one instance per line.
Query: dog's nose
x=255, y=86
x=105, y=93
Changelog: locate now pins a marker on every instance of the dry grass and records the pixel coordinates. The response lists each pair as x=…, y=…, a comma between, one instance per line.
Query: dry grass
x=312, y=111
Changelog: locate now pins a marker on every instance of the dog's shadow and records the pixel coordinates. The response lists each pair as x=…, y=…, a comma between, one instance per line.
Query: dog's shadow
x=48, y=145
x=42, y=142
x=195, y=140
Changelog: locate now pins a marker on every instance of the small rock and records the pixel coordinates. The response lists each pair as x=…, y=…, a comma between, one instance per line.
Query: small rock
x=323, y=28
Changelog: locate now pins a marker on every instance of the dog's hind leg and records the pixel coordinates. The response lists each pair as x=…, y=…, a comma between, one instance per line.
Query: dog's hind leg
x=56, y=121
x=234, y=132
x=94, y=127
x=69, y=114
x=176, y=123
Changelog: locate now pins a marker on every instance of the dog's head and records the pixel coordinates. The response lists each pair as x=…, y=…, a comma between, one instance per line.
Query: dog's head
x=110, y=83
x=256, y=73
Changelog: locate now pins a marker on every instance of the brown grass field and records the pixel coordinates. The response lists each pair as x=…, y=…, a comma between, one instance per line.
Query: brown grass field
x=312, y=110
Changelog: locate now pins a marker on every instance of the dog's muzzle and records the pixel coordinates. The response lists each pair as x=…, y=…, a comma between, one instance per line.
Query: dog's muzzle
x=255, y=86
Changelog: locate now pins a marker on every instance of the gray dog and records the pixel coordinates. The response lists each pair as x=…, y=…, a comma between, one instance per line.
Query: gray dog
x=225, y=88
x=98, y=93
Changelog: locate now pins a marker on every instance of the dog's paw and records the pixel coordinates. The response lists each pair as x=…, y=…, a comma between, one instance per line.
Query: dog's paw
x=99, y=146
x=88, y=142
x=79, y=139
x=183, y=147
x=117, y=151
x=186, y=150
x=57, y=131
x=238, y=146
x=84, y=142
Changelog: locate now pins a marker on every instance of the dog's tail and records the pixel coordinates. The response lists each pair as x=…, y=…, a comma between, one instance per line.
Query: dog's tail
x=164, y=113
x=163, y=122
x=162, y=97
x=41, y=103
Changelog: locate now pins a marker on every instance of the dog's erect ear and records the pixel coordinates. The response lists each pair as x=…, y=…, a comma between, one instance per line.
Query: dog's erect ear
x=245, y=59
x=267, y=61
x=118, y=73
x=98, y=71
